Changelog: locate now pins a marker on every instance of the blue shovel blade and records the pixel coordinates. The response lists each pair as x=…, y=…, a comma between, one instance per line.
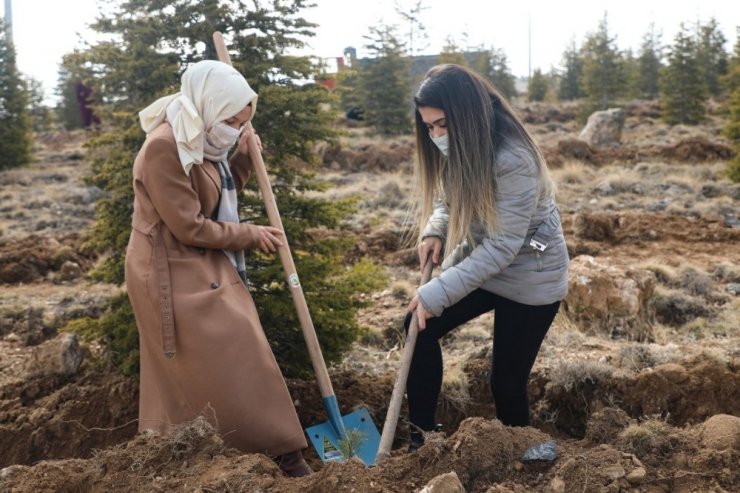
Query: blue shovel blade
x=325, y=438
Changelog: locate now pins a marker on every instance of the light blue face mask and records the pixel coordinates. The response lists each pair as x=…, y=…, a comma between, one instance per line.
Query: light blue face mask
x=443, y=144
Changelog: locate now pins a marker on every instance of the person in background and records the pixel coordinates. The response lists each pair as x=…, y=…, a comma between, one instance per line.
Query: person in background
x=203, y=350
x=85, y=101
x=486, y=209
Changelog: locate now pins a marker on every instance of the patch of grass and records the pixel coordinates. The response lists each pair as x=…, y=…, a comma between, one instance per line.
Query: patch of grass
x=702, y=328
x=665, y=274
x=621, y=179
x=402, y=290
x=675, y=308
x=651, y=437
x=574, y=375
x=695, y=282
x=573, y=173
x=636, y=357
x=455, y=388
x=726, y=272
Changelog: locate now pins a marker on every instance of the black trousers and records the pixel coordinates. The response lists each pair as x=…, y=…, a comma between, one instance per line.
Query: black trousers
x=518, y=331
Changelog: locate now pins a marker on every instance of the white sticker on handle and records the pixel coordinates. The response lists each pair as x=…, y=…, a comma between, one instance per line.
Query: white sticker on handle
x=293, y=281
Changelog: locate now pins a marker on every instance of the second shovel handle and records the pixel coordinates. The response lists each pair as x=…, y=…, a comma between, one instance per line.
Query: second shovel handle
x=394, y=408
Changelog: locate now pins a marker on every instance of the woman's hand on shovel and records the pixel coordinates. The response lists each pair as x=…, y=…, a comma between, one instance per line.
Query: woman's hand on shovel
x=421, y=314
x=243, y=147
x=431, y=245
x=269, y=238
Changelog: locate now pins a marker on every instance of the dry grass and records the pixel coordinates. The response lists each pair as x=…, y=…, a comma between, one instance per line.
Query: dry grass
x=665, y=274
x=635, y=357
x=620, y=178
x=651, y=437
x=574, y=375
x=726, y=272
x=573, y=173
x=402, y=290
x=455, y=388
x=676, y=308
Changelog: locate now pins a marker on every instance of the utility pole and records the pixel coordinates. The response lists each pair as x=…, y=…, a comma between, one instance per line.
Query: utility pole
x=9, y=20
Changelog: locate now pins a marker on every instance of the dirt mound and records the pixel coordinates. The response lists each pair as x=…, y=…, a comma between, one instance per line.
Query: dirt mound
x=575, y=391
x=695, y=150
x=690, y=150
x=381, y=156
x=643, y=109
x=484, y=455
x=481, y=452
x=577, y=149
x=539, y=114
x=641, y=227
x=36, y=258
x=55, y=416
x=595, y=227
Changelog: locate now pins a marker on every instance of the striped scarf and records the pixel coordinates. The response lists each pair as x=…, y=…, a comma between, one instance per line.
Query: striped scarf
x=228, y=212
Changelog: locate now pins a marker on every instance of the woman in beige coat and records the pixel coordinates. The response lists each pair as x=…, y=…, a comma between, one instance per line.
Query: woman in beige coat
x=203, y=350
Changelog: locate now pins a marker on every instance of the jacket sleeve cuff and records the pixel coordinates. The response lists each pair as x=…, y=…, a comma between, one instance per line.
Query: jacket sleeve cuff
x=432, y=297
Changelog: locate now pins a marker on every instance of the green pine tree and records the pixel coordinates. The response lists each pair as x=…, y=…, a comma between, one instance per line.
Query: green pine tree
x=732, y=128
x=39, y=112
x=537, y=86
x=731, y=83
x=15, y=123
x=604, y=77
x=500, y=73
x=493, y=65
x=711, y=55
x=451, y=53
x=632, y=73
x=385, y=84
x=155, y=41
x=571, y=87
x=649, y=64
x=682, y=87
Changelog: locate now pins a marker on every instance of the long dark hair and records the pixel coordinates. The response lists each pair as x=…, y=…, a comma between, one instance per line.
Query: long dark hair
x=479, y=123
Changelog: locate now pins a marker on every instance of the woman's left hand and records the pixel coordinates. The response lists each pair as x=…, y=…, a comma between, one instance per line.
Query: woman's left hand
x=243, y=147
x=421, y=314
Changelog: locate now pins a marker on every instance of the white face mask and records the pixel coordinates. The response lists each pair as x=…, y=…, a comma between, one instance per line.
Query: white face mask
x=222, y=136
x=443, y=143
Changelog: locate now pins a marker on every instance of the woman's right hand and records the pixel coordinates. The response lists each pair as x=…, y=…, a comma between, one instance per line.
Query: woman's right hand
x=268, y=239
x=430, y=244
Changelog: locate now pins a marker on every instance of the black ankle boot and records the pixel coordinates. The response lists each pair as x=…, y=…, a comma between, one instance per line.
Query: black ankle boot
x=416, y=437
x=293, y=464
x=416, y=440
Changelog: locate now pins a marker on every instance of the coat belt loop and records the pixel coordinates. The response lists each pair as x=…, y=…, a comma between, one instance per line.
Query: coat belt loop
x=165, y=294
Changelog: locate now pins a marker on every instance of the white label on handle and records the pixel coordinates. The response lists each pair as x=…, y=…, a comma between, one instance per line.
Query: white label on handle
x=293, y=281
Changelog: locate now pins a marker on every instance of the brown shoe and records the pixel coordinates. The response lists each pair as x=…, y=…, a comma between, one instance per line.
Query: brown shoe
x=293, y=464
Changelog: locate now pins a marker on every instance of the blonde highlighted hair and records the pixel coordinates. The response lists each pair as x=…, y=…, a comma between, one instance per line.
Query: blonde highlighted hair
x=479, y=122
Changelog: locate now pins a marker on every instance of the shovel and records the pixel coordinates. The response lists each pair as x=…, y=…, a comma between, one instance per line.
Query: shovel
x=339, y=431
x=394, y=408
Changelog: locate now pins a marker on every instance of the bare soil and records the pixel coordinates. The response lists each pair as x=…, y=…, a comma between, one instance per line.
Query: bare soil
x=654, y=415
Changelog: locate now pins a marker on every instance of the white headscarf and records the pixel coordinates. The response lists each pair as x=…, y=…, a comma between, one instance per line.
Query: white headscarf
x=211, y=92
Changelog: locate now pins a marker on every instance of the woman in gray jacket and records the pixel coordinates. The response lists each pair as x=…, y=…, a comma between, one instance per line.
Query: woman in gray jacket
x=485, y=199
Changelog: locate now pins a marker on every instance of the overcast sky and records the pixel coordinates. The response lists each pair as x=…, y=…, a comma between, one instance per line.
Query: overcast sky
x=46, y=29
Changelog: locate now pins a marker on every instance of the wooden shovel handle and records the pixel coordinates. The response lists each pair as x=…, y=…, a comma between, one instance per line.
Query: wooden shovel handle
x=299, y=300
x=394, y=408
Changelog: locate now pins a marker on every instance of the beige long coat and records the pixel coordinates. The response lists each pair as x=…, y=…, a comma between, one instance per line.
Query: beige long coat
x=188, y=297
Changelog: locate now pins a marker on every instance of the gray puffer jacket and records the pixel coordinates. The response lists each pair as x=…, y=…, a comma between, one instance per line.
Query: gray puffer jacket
x=525, y=261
